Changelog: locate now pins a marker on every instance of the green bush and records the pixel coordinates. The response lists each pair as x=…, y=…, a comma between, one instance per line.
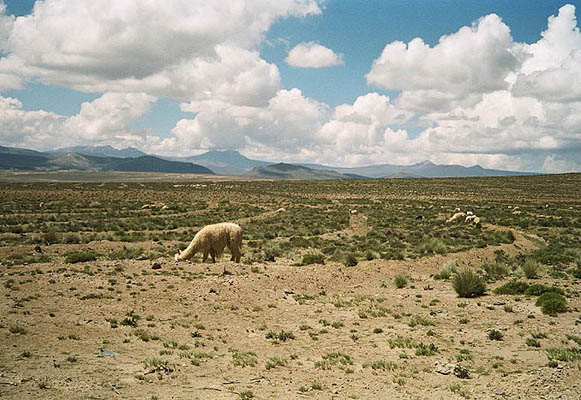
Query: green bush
x=572, y=354
x=538, y=289
x=400, y=281
x=447, y=270
x=468, y=283
x=531, y=269
x=50, y=237
x=495, y=271
x=513, y=287
x=576, y=273
x=495, y=335
x=79, y=256
x=312, y=258
x=552, y=303
x=350, y=260
x=433, y=245
x=72, y=238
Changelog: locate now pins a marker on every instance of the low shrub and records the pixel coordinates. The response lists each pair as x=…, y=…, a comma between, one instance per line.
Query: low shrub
x=400, y=281
x=513, y=287
x=495, y=335
x=538, y=289
x=50, y=237
x=495, y=271
x=434, y=246
x=468, y=283
x=350, y=260
x=312, y=258
x=576, y=273
x=531, y=269
x=552, y=303
x=79, y=256
x=572, y=354
x=447, y=270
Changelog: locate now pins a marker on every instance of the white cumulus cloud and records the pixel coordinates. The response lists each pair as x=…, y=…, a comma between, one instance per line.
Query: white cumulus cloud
x=185, y=48
x=107, y=119
x=313, y=55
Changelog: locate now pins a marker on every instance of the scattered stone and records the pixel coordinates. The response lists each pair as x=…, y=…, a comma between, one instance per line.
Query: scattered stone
x=107, y=353
x=38, y=249
x=213, y=291
x=452, y=369
x=289, y=291
x=461, y=372
x=499, y=303
x=156, y=266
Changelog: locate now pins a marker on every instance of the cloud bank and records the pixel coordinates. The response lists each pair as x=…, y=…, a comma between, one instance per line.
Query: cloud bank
x=476, y=96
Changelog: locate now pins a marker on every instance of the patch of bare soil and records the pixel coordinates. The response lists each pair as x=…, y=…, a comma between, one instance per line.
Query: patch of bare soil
x=157, y=329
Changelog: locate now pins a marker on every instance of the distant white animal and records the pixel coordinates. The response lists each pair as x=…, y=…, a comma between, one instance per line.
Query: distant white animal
x=456, y=217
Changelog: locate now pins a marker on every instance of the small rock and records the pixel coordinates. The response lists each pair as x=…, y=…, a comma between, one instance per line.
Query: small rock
x=213, y=291
x=38, y=249
x=156, y=266
x=499, y=392
x=289, y=291
x=499, y=303
x=461, y=372
x=107, y=353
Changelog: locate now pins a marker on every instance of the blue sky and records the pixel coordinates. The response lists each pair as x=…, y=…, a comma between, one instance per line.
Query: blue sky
x=340, y=81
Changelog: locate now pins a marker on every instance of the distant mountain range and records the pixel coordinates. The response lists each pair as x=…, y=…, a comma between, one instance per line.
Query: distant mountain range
x=233, y=163
x=424, y=169
x=107, y=158
x=101, y=151
x=227, y=162
x=292, y=171
x=24, y=159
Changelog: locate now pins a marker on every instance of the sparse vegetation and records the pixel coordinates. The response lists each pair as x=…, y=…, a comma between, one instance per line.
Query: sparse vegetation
x=468, y=283
x=198, y=319
x=552, y=303
x=244, y=358
x=400, y=281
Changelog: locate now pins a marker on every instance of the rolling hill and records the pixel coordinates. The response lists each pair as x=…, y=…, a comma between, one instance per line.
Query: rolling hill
x=23, y=159
x=226, y=162
x=291, y=171
x=101, y=151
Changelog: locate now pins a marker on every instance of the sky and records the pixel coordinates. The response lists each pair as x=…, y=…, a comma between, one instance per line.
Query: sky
x=339, y=82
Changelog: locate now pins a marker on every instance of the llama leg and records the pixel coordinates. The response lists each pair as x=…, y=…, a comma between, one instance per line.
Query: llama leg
x=213, y=254
x=205, y=256
x=235, y=253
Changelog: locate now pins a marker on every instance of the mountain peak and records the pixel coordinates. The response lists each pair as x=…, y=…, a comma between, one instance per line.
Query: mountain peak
x=102, y=151
x=425, y=163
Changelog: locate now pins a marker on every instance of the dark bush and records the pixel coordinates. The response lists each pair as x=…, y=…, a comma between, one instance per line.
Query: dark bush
x=400, y=281
x=350, y=260
x=468, y=283
x=538, y=289
x=313, y=258
x=552, y=303
x=79, y=256
x=514, y=287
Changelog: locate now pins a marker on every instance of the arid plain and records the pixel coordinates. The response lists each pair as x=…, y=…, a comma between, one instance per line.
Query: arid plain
x=346, y=289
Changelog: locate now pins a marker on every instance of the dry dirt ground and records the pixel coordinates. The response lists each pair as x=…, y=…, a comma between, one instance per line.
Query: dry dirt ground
x=146, y=327
x=273, y=331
